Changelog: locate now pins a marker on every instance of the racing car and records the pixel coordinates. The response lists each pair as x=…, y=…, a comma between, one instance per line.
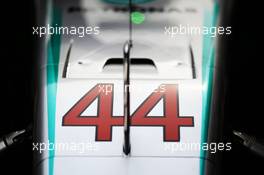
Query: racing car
x=135, y=96
x=125, y=87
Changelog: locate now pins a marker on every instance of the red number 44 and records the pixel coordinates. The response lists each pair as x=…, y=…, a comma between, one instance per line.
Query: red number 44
x=104, y=120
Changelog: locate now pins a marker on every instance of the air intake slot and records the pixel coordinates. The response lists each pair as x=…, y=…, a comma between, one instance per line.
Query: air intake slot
x=134, y=62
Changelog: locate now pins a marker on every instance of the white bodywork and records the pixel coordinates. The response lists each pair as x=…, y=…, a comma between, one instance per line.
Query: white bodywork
x=150, y=154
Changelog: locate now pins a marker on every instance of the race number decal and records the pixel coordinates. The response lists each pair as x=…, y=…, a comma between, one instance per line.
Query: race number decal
x=104, y=120
x=170, y=121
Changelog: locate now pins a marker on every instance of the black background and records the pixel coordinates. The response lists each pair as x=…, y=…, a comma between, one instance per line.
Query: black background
x=243, y=65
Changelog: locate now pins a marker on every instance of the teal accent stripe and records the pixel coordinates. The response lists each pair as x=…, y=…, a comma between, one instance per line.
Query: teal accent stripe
x=52, y=78
x=207, y=78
